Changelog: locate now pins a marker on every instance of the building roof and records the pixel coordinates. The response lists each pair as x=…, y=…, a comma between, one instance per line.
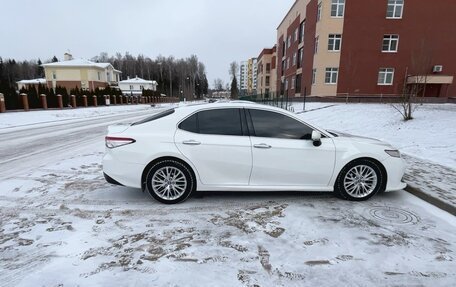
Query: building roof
x=267, y=51
x=137, y=80
x=288, y=13
x=79, y=63
x=33, y=81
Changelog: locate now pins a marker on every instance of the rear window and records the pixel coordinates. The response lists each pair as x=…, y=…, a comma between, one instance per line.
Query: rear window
x=154, y=117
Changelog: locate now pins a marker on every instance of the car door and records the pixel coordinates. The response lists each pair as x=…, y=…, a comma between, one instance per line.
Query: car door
x=284, y=154
x=216, y=142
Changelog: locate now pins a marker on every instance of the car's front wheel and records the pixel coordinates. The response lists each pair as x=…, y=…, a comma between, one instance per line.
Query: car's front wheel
x=359, y=180
x=170, y=181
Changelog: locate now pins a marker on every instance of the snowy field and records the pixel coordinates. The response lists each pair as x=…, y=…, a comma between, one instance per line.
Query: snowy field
x=61, y=224
x=431, y=135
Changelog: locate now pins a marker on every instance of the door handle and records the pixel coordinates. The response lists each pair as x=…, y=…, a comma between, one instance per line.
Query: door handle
x=262, y=145
x=191, y=142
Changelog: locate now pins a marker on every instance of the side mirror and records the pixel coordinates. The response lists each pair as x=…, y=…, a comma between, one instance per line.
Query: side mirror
x=316, y=138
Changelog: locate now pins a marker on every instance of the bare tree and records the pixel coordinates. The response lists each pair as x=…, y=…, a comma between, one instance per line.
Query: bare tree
x=218, y=84
x=415, y=81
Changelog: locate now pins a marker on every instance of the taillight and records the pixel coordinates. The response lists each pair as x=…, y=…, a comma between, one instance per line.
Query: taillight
x=113, y=142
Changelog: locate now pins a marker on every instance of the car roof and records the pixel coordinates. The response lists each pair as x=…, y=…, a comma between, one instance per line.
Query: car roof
x=189, y=108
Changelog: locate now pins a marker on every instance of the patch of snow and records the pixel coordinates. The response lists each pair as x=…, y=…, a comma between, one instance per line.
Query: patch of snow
x=431, y=135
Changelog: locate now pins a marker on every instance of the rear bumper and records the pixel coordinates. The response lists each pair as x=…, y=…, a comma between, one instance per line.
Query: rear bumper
x=111, y=180
x=122, y=173
x=395, y=169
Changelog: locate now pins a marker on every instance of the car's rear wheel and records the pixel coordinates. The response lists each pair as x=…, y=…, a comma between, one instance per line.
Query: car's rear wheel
x=170, y=182
x=359, y=180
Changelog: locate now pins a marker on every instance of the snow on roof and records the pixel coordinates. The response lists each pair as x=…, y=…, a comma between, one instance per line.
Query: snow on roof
x=79, y=63
x=137, y=80
x=33, y=81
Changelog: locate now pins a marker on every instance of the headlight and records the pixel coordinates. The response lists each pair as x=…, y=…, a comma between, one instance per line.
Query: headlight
x=393, y=152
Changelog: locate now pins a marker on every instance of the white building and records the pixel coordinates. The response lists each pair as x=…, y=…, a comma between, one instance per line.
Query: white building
x=136, y=85
x=28, y=83
x=248, y=76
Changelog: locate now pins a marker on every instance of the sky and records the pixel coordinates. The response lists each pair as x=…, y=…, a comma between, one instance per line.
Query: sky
x=218, y=32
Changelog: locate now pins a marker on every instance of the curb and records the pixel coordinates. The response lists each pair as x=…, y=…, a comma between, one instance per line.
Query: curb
x=430, y=199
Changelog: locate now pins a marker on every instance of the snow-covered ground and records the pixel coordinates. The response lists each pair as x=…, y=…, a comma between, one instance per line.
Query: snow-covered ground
x=16, y=119
x=61, y=224
x=431, y=135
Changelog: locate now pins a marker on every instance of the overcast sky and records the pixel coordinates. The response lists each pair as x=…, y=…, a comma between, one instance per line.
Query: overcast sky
x=218, y=32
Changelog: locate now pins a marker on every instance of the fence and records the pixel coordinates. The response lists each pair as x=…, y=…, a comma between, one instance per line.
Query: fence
x=271, y=99
x=26, y=102
x=287, y=102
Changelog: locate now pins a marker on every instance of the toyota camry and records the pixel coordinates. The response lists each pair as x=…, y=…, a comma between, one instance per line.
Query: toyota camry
x=241, y=146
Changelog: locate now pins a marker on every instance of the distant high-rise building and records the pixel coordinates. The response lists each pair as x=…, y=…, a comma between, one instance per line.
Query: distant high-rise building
x=248, y=77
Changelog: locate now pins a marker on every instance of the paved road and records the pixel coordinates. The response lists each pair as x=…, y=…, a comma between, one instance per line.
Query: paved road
x=22, y=150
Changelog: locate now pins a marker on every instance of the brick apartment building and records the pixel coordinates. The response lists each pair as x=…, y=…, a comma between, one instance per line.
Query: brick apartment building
x=367, y=47
x=266, y=72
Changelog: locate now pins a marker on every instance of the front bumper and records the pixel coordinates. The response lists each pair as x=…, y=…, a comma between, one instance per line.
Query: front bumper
x=395, y=169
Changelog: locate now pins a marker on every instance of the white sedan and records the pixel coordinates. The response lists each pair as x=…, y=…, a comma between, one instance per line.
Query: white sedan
x=241, y=146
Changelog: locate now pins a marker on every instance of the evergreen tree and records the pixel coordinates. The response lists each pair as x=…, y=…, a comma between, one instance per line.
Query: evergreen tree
x=54, y=59
x=39, y=69
x=234, y=89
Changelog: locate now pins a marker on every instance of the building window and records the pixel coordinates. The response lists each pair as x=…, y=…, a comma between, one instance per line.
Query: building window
x=54, y=75
x=294, y=58
x=385, y=76
x=283, y=66
x=337, y=8
x=301, y=31
x=283, y=49
x=286, y=84
x=298, y=83
x=319, y=12
x=131, y=87
x=267, y=81
x=293, y=83
x=316, y=45
x=296, y=34
x=395, y=9
x=300, y=56
x=390, y=43
x=99, y=76
x=334, y=41
x=331, y=75
x=268, y=68
x=314, y=76
x=289, y=41
x=288, y=62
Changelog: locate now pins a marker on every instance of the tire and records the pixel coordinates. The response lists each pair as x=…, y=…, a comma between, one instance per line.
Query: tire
x=170, y=182
x=359, y=180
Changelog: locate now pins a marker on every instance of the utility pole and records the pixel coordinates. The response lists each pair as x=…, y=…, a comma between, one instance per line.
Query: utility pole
x=304, y=104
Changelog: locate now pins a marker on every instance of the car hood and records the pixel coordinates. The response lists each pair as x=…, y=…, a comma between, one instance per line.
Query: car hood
x=359, y=139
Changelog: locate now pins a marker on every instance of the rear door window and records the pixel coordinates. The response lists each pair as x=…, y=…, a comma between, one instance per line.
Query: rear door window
x=190, y=124
x=214, y=122
x=220, y=122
